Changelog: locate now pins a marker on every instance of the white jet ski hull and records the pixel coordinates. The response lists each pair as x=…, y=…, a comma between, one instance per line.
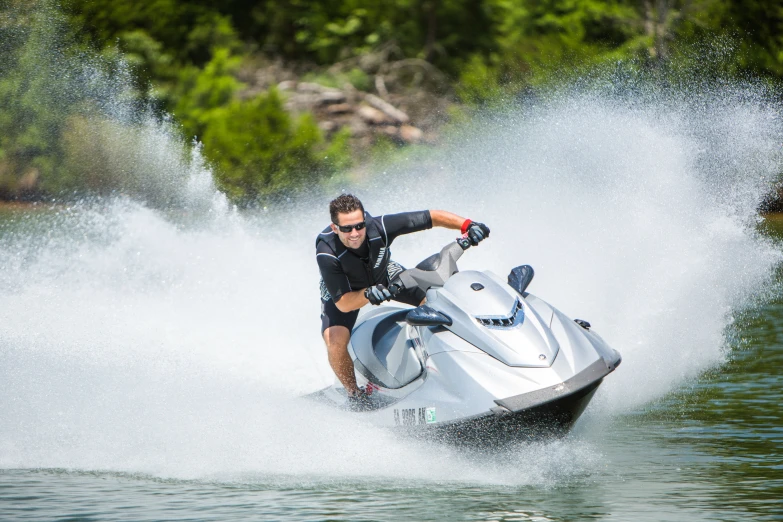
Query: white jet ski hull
x=483, y=361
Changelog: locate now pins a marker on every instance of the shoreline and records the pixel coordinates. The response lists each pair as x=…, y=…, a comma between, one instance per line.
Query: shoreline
x=20, y=206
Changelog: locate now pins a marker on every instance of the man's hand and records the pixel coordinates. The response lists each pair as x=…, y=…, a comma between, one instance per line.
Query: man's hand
x=396, y=286
x=477, y=232
x=377, y=294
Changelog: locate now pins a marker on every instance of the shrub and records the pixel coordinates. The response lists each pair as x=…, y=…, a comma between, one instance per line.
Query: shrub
x=259, y=149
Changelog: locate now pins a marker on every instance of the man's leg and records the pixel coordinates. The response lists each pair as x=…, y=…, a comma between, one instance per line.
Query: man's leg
x=336, y=329
x=336, y=339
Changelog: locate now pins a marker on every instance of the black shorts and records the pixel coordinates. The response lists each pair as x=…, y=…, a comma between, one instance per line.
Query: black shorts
x=332, y=316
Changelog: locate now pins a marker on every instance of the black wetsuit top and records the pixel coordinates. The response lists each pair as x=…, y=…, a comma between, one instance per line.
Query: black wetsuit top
x=343, y=269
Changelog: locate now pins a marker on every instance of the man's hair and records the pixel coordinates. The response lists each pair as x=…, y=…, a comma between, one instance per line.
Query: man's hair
x=344, y=204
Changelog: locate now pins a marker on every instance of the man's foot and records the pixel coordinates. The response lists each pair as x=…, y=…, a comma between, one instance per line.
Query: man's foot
x=360, y=401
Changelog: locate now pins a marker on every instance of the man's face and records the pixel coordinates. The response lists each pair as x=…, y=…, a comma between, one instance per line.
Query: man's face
x=354, y=238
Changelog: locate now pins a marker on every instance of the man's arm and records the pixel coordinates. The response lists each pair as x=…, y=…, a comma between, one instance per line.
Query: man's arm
x=444, y=219
x=351, y=301
x=395, y=225
x=334, y=278
x=475, y=232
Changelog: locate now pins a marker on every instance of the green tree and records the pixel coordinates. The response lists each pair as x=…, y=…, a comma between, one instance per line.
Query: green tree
x=35, y=98
x=187, y=30
x=759, y=24
x=201, y=91
x=258, y=149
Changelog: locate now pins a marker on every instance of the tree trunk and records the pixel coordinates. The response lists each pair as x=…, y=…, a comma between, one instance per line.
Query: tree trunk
x=430, y=10
x=656, y=27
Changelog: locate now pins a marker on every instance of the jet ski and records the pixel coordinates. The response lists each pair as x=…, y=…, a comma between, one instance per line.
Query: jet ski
x=481, y=361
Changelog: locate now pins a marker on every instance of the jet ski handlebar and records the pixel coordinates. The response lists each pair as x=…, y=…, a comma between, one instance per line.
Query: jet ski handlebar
x=463, y=242
x=433, y=271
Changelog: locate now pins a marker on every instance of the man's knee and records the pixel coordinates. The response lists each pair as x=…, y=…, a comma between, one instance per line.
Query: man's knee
x=337, y=336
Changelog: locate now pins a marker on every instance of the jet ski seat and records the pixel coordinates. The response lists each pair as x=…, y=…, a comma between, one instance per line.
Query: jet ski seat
x=383, y=353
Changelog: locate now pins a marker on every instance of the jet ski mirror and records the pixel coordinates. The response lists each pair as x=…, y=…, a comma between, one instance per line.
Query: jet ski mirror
x=520, y=277
x=427, y=316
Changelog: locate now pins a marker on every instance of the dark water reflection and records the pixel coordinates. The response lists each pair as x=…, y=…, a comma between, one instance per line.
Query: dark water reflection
x=733, y=417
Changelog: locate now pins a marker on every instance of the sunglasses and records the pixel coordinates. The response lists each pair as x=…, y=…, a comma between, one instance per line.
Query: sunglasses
x=347, y=228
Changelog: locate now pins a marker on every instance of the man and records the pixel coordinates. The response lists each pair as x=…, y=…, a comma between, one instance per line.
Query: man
x=356, y=269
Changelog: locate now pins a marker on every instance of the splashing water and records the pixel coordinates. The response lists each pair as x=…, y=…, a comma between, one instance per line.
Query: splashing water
x=175, y=342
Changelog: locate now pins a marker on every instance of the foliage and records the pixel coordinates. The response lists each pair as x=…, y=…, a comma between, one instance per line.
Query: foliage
x=187, y=30
x=33, y=108
x=333, y=30
x=518, y=41
x=201, y=91
x=256, y=146
x=480, y=81
x=354, y=76
x=540, y=42
x=188, y=56
x=68, y=124
x=258, y=149
x=760, y=26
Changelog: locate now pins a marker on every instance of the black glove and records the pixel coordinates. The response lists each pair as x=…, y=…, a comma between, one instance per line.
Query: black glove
x=396, y=286
x=377, y=294
x=477, y=232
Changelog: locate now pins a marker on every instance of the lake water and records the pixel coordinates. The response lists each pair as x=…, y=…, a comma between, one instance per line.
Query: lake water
x=154, y=343
x=711, y=448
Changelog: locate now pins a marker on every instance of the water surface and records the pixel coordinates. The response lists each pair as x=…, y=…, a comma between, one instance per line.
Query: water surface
x=708, y=450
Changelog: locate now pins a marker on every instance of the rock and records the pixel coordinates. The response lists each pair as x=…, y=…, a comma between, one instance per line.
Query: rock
x=339, y=108
x=327, y=126
x=309, y=87
x=358, y=127
x=373, y=116
x=351, y=94
x=391, y=131
x=329, y=97
x=315, y=88
x=303, y=101
x=410, y=134
x=387, y=108
x=380, y=85
x=288, y=85
x=320, y=94
x=30, y=179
